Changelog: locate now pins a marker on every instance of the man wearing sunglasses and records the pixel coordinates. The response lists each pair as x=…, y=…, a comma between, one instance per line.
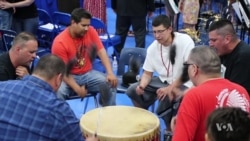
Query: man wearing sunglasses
x=211, y=91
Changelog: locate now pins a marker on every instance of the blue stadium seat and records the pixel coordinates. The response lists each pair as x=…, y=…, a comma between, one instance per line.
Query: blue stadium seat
x=106, y=38
x=46, y=30
x=7, y=38
x=61, y=20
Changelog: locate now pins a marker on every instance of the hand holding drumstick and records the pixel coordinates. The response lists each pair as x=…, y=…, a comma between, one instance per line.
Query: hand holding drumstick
x=92, y=138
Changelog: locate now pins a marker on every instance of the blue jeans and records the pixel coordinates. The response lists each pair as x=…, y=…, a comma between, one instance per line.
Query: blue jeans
x=5, y=19
x=5, y=23
x=28, y=25
x=93, y=80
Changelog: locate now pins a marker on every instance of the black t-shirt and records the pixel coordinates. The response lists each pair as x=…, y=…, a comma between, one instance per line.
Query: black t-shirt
x=237, y=65
x=26, y=12
x=7, y=70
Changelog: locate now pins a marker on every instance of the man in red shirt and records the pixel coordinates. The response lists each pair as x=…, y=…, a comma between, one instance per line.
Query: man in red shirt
x=77, y=42
x=210, y=92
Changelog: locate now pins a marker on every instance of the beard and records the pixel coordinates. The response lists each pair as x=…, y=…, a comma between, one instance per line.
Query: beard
x=80, y=34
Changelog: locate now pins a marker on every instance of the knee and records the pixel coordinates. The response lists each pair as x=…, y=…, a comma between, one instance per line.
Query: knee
x=131, y=90
x=60, y=96
x=63, y=91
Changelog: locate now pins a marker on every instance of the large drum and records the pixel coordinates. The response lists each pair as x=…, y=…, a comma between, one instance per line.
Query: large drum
x=121, y=123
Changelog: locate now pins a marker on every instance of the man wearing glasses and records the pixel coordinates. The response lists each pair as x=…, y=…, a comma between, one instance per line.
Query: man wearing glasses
x=165, y=56
x=211, y=92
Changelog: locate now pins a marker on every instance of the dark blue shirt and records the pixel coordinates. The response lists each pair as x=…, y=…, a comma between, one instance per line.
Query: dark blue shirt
x=30, y=111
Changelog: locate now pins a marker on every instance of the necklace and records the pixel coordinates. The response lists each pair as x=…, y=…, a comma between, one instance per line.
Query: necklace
x=166, y=67
x=80, y=52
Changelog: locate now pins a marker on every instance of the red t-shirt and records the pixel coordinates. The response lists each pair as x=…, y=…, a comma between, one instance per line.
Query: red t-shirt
x=68, y=48
x=200, y=101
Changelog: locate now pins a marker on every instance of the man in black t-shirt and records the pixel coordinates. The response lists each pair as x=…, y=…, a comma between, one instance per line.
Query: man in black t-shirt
x=15, y=63
x=234, y=53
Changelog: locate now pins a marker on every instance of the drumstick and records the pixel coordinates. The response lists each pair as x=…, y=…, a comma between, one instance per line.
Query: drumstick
x=98, y=121
x=104, y=91
x=92, y=52
x=70, y=65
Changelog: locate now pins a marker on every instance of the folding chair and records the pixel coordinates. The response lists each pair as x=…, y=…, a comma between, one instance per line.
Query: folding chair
x=123, y=65
x=159, y=5
x=61, y=20
x=34, y=63
x=92, y=94
x=44, y=17
x=47, y=29
x=7, y=38
x=106, y=38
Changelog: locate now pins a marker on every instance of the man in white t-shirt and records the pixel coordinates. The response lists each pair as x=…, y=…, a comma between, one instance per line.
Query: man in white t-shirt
x=165, y=56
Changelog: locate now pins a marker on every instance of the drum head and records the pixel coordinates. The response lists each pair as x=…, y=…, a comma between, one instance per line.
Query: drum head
x=120, y=123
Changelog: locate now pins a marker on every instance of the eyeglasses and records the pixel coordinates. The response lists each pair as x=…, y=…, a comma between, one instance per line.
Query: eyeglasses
x=187, y=64
x=159, y=31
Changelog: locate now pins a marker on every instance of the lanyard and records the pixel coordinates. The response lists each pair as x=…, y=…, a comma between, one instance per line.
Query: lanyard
x=167, y=68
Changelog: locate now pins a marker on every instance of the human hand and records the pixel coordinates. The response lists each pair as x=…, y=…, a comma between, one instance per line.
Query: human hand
x=5, y=5
x=173, y=123
x=81, y=91
x=111, y=78
x=163, y=92
x=1, y=3
x=139, y=90
x=14, y=10
x=21, y=71
x=180, y=6
x=171, y=91
x=92, y=138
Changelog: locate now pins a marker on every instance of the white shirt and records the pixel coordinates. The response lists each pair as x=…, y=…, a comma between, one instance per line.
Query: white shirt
x=157, y=59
